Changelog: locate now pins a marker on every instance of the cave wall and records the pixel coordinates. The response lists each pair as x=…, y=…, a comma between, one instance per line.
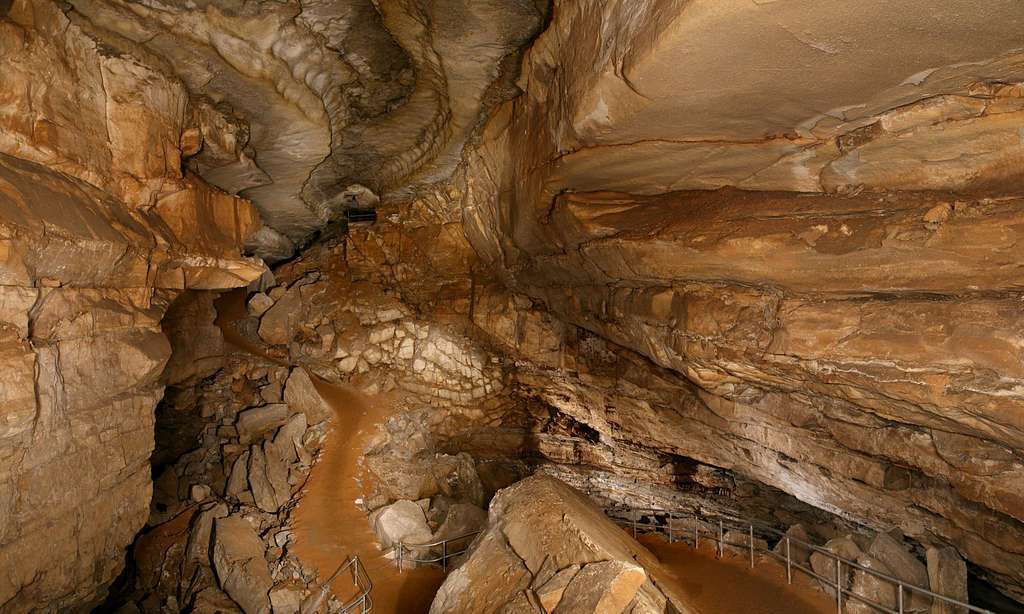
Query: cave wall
x=836, y=312
x=100, y=231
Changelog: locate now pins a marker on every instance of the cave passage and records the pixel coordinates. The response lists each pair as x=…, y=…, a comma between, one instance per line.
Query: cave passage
x=285, y=282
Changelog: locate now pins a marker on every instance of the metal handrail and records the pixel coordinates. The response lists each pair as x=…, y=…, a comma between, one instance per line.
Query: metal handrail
x=360, y=578
x=749, y=525
x=402, y=547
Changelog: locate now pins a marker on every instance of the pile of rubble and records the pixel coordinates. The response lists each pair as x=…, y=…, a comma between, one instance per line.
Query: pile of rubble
x=219, y=537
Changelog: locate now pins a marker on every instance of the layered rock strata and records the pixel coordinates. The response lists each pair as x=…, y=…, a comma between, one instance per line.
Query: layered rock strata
x=845, y=328
x=546, y=546
x=98, y=239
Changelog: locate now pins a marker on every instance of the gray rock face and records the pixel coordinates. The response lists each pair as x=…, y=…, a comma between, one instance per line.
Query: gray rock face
x=402, y=521
x=241, y=568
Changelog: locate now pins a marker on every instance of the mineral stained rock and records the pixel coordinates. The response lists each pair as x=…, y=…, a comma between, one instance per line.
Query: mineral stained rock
x=545, y=538
x=760, y=252
x=100, y=234
x=837, y=279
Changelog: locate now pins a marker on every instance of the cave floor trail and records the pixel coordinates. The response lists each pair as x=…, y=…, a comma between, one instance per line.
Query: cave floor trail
x=327, y=524
x=329, y=527
x=729, y=586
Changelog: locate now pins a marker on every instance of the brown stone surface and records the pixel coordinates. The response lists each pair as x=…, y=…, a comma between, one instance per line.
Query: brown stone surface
x=845, y=306
x=537, y=527
x=99, y=235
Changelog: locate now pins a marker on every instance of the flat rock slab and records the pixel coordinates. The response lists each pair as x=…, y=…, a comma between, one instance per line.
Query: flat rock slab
x=602, y=588
x=241, y=568
x=252, y=423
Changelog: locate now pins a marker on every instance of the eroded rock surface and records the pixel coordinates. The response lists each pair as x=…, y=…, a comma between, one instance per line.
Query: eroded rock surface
x=100, y=235
x=848, y=320
x=546, y=543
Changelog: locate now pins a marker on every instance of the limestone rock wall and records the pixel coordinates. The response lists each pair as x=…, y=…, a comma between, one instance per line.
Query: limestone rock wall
x=845, y=328
x=301, y=107
x=100, y=231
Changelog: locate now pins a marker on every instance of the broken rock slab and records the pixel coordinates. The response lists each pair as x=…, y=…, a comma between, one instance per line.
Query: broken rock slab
x=947, y=576
x=240, y=565
x=797, y=553
x=253, y=422
x=602, y=588
x=402, y=521
x=905, y=566
x=302, y=396
x=539, y=527
x=550, y=593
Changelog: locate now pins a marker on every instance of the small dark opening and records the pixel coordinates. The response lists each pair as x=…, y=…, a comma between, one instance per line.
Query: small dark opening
x=361, y=215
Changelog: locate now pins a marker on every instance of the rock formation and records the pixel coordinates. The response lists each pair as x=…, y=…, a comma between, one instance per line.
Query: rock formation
x=548, y=545
x=101, y=232
x=752, y=256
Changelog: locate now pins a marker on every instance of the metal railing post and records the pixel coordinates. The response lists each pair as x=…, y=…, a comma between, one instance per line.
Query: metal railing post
x=444, y=556
x=400, y=546
x=789, y=564
x=839, y=586
x=902, y=587
x=751, y=546
x=721, y=538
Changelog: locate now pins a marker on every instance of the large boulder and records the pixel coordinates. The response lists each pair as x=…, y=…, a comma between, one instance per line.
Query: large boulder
x=253, y=422
x=302, y=396
x=825, y=566
x=536, y=530
x=402, y=521
x=905, y=566
x=602, y=588
x=797, y=553
x=871, y=587
x=241, y=567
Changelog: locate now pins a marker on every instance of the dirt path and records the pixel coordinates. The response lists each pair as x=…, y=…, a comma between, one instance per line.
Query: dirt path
x=730, y=586
x=327, y=524
x=329, y=527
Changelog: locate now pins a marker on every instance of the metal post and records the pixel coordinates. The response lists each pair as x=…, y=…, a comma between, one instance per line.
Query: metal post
x=634, y=524
x=751, y=546
x=444, y=556
x=670, y=536
x=899, y=597
x=400, y=557
x=789, y=564
x=839, y=586
x=721, y=538
x=696, y=534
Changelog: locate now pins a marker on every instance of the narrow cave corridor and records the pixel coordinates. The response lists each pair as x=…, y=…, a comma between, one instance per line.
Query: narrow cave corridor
x=511, y=306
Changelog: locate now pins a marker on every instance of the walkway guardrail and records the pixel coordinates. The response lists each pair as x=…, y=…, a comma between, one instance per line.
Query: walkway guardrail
x=361, y=603
x=403, y=549
x=676, y=527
